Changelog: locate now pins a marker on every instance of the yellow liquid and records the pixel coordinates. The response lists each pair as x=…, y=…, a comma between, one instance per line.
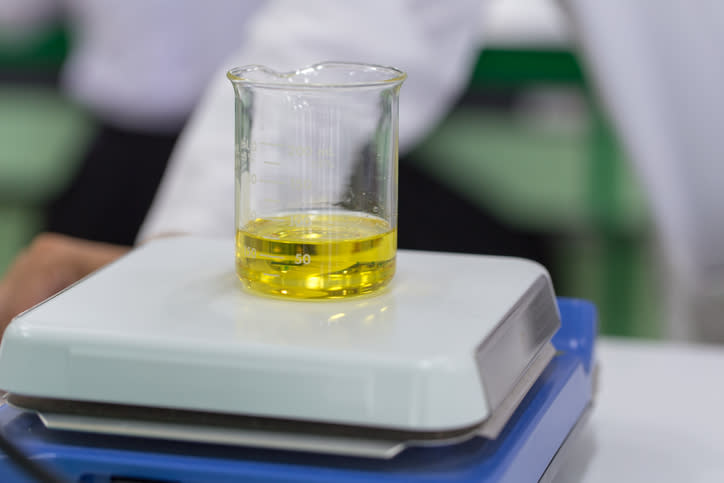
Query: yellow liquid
x=316, y=256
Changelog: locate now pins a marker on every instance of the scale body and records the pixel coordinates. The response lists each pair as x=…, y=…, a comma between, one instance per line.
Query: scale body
x=436, y=379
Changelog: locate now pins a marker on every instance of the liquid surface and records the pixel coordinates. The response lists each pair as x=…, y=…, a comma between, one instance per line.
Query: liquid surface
x=316, y=256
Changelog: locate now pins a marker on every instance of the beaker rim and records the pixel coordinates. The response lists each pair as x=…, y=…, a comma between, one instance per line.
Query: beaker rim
x=387, y=76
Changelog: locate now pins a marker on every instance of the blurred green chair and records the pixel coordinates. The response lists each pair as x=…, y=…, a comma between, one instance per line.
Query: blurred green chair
x=567, y=180
x=42, y=135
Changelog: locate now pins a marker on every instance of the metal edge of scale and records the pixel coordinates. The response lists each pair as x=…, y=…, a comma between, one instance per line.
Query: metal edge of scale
x=526, y=329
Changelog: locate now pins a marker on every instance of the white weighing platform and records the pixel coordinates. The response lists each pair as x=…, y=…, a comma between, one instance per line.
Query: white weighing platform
x=169, y=326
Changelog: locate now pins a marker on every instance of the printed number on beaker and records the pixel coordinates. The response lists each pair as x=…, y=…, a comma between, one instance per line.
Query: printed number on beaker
x=303, y=259
x=300, y=183
x=250, y=252
x=301, y=220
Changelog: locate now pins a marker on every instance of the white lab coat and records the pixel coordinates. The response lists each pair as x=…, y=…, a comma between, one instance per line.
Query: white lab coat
x=657, y=64
x=659, y=68
x=139, y=64
x=143, y=64
x=436, y=43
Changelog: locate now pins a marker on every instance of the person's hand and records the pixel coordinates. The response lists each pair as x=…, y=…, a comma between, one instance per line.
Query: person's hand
x=48, y=265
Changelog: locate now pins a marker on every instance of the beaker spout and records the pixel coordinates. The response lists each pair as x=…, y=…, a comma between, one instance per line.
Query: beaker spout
x=324, y=74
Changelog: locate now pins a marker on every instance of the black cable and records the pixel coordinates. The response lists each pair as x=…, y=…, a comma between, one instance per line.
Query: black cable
x=30, y=467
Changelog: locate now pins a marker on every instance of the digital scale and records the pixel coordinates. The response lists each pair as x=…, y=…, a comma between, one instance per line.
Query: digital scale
x=161, y=368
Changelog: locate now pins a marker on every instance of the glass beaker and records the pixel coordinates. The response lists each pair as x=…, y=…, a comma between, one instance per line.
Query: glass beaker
x=316, y=178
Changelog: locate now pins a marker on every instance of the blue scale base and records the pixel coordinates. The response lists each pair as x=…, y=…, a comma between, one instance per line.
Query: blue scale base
x=524, y=451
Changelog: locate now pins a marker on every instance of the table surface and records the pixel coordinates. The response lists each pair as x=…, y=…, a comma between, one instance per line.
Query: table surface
x=658, y=416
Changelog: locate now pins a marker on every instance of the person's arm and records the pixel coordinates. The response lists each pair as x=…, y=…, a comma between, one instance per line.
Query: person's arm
x=436, y=43
x=48, y=265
